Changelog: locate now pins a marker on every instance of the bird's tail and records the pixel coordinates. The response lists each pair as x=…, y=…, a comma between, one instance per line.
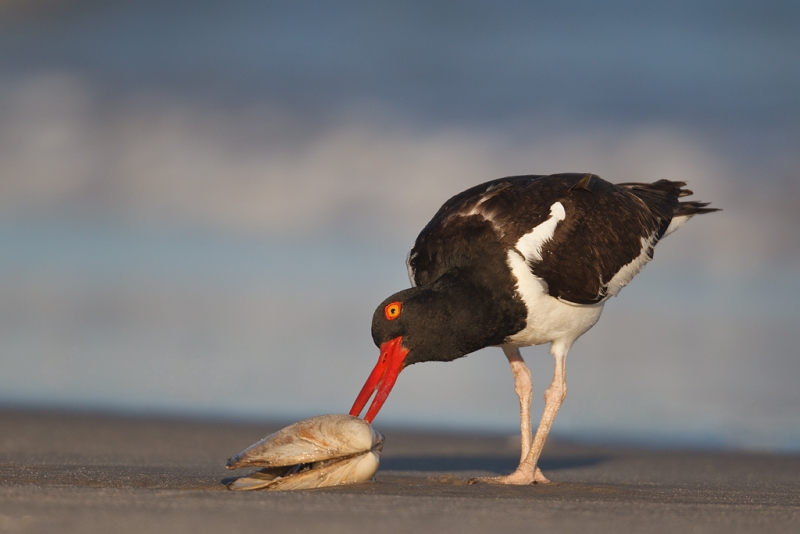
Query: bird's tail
x=693, y=208
x=657, y=193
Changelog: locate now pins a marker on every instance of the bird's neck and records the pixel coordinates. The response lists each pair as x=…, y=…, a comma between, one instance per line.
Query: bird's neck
x=463, y=315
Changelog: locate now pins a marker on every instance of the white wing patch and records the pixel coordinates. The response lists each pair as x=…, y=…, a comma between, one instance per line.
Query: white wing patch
x=626, y=274
x=530, y=245
x=549, y=319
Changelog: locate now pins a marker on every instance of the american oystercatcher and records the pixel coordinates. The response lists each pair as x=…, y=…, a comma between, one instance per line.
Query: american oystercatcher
x=520, y=261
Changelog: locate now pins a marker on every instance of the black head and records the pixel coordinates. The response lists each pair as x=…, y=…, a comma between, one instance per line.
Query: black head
x=434, y=325
x=439, y=322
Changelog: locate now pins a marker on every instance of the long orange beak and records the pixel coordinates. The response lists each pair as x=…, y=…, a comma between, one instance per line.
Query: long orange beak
x=381, y=379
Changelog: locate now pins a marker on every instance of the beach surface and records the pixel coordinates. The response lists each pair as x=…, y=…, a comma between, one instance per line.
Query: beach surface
x=69, y=472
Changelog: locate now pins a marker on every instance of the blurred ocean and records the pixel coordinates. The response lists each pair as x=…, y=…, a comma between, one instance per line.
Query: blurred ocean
x=201, y=203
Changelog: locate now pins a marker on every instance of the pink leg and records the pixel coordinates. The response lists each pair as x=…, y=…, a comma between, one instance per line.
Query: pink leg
x=554, y=395
x=523, y=386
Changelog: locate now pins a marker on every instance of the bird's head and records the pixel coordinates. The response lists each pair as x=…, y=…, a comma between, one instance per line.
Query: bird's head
x=440, y=322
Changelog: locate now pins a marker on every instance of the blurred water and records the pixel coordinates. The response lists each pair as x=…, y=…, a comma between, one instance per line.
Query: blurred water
x=201, y=203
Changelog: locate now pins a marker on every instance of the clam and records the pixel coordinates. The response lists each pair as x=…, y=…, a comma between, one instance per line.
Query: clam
x=327, y=450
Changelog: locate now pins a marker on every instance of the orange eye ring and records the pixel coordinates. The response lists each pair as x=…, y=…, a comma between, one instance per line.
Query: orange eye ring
x=392, y=310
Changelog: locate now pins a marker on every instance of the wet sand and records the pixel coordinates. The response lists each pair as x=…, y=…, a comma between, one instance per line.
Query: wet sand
x=66, y=472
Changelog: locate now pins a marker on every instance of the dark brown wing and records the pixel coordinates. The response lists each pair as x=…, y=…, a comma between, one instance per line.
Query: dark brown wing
x=607, y=230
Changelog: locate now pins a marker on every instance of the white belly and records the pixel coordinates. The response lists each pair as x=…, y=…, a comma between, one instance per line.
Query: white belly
x=549, y=319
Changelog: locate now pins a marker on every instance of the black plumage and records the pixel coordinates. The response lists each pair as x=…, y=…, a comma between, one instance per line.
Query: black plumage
x=520, y=261
x=601, y=233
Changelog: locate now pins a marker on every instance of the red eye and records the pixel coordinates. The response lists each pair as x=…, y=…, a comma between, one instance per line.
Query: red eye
x=392, y=311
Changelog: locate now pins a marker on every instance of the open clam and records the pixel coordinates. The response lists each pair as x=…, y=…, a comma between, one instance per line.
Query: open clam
x=327, y=450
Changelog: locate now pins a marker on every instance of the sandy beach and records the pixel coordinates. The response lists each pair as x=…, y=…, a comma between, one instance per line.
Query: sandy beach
x=71, y=472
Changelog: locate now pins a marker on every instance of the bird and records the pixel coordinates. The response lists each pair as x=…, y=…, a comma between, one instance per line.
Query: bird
x=520, y=261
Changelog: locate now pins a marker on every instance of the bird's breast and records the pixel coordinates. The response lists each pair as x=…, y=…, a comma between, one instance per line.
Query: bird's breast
x=548, y=319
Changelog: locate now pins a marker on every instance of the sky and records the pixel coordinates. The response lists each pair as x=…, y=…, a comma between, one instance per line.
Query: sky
x=201, y=203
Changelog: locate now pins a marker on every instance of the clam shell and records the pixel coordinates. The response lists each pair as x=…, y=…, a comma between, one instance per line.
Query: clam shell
x=327, y=450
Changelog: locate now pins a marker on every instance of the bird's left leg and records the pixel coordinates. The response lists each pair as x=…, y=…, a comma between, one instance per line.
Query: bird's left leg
x=523, y=386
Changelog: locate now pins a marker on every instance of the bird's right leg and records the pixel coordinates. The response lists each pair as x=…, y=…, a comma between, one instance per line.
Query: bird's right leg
x=523, y=387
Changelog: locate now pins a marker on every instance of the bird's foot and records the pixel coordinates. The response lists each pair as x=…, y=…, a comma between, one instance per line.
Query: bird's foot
x=521, y=477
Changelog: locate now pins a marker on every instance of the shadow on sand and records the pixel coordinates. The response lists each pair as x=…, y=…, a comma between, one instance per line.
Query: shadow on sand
x=481, y=463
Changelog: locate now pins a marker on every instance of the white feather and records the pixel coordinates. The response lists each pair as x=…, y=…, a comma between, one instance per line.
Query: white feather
x=530, y=245
x=676, y=223
x=633, y=268
x=410, y=268
x=549, y=319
